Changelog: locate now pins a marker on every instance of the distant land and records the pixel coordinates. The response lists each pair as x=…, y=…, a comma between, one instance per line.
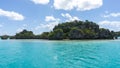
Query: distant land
x=73, y=30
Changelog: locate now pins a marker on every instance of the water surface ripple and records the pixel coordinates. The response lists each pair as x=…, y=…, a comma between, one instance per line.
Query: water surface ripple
x=59, y=54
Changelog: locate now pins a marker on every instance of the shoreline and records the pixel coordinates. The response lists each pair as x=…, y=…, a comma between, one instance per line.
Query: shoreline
x=63, y=39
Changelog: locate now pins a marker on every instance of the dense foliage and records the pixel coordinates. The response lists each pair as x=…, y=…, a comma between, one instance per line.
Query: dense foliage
x=44, y=35
x=56, y=34
x=116, y=34
x=4, y=37
x=70, y=30
x=24, y=35
x=82, y=30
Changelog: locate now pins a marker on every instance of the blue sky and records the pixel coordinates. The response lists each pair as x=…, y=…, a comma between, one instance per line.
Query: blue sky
x=42, y=15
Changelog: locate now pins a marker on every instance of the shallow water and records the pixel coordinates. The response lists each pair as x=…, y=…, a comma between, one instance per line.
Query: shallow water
x=59, y=54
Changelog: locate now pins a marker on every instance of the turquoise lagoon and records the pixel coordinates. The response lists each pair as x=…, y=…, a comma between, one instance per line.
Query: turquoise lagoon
x=59, y=54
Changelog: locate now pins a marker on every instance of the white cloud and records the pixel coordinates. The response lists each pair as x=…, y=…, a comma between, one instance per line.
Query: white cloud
x=112, y=15
x=4, y=33
x=48, y=26
x=1, y=25
x=11, y=14
x=24, y=26
x=51, y=22
x=80, y=5
x=69, y=17
x=51, y=18
x=112, y=25
x=20, y=29
x=40, y=1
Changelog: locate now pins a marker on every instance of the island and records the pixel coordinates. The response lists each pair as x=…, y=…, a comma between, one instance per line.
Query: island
x=73, y=30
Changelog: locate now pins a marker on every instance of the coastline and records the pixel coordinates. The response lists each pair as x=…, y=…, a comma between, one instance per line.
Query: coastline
x=62, y=40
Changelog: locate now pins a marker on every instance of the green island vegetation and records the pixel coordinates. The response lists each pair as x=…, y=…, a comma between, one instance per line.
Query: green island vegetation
x=4, y=37
x=74, y=30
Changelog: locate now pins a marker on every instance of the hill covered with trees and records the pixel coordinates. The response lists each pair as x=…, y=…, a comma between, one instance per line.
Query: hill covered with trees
x=23, y=35
x=80, y=30
x=75, y=30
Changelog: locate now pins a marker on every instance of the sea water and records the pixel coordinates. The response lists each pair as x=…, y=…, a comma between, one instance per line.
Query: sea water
x=59, y=54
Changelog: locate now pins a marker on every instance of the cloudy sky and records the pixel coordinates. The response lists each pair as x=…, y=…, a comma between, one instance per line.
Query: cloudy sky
x=43, y=15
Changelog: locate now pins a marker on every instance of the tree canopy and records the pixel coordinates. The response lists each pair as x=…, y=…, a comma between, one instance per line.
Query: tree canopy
x=70, y=30
x=24, y=35
x=82, y=30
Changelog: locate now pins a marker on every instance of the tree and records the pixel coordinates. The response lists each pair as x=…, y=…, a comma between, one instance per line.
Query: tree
x=81, y=30
x=71, y=30
x=44, y=35
x=25, y=35
x=76, y=33
x=104, y=34
x=56, y=34
x=4, y=37
x=89, y=34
